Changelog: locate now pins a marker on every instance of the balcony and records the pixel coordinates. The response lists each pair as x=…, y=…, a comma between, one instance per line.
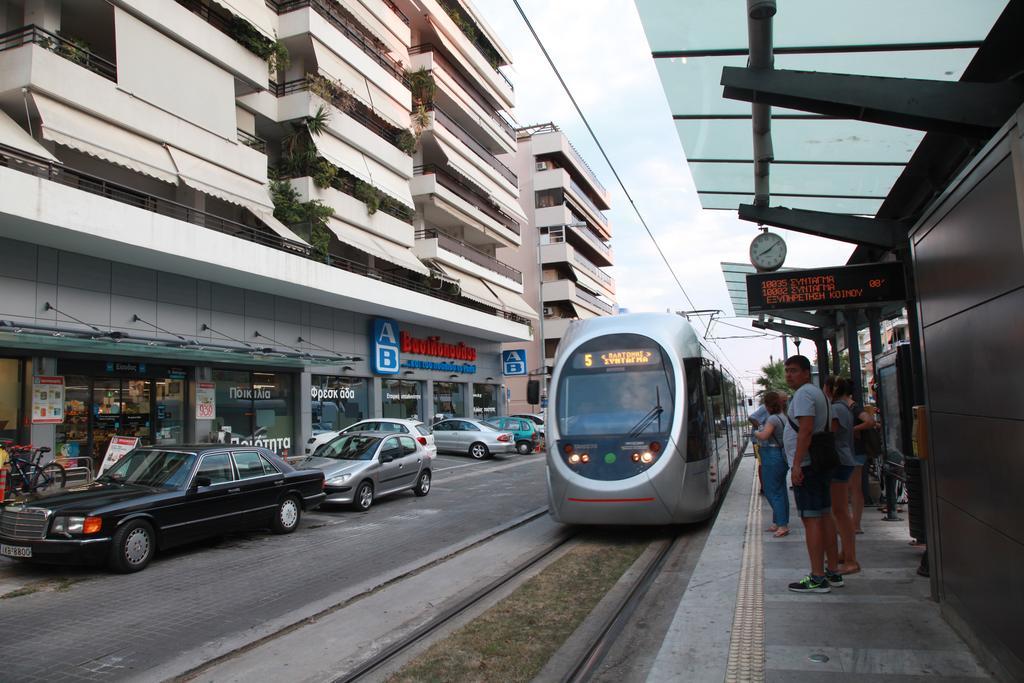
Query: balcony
x=116, y=192
x=587, y=201
x=594, y=301
x=483, y=46
x=469, y=193
x=471, y=90
x=567, y=290
x=348, y=27
x=601, y=276
x=558, y=234
x=467, y=139
x=253, y=141
x=548, y=139
x=69, y=50
x=471, y=254
x=394, y=8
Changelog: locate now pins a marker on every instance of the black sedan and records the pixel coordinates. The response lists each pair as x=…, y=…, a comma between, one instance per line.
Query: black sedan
x=157, y=497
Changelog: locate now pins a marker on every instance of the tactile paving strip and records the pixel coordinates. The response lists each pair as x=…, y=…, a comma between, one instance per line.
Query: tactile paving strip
x=746, y=648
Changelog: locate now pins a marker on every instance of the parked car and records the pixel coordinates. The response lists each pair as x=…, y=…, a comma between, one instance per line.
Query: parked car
x=475, y=437
x=535, y=418
x=361, y=466
x=525, y=432
x=418, y=429
x=157, y=497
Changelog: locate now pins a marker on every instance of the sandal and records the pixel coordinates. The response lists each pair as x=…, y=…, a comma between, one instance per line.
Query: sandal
x=780, y=532
x=773, y=527
x=845, y=569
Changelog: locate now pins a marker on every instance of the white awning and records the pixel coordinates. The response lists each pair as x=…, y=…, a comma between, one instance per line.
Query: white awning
x=267, y=218
x=94, y=136
x=365, y=90
x=495, y=191
x=376, y=246
x=472, y=287
x=12, y=135
x=512, y=301
x=342, y=155
x=389, y=181
x=218, y=181
x=255, y=12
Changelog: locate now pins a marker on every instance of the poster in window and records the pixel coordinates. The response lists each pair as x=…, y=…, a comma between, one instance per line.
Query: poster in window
x=47, y=400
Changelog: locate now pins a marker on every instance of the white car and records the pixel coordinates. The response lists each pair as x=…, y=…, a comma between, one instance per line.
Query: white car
x=416, y=428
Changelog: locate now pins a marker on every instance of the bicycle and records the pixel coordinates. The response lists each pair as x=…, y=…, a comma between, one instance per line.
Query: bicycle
x=28, y=476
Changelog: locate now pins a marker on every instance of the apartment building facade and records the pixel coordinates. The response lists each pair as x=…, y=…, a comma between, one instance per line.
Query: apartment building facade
x=212, y=225
x=566, y=247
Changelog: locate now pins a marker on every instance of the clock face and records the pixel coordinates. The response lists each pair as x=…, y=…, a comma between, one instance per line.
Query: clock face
x=768, y=251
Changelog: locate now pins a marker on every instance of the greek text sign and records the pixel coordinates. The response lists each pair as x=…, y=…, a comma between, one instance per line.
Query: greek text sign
x=846, y=286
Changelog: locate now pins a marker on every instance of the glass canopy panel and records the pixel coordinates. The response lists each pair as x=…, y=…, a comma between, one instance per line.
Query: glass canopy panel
x=693, y=84
x=860, y=207
x=813, y=139
x=803, y=179
x=715, y=24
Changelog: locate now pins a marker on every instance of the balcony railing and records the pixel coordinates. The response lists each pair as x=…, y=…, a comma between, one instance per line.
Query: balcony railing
x=478, y=41
x=394, y=8
x=471, y=253
x=593, y=300
x=468, y=192
x=165, y=207
x=350, y=30
x=69, y=50
x=585, y=198
x=352, y=106
x=466, y=84
x=593, y=270
x=557, y=234
x=552, y=128
x=250, y=140
x=462, y=134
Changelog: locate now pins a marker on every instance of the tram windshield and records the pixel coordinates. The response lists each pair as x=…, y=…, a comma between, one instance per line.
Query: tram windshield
x=618, y=384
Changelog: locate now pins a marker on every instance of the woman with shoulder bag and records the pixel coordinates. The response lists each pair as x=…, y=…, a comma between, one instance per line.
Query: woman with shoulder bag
x=773, y=464
x=838, y=390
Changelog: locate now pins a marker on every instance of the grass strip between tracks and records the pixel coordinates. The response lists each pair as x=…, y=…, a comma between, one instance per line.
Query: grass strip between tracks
x=513, y=640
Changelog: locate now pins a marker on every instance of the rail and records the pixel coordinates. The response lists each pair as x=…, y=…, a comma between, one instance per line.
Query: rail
x=471, y=253
x=477, y=39
x=594, y=301
x=68, y=49
x=352, y=107
x=541, y=128
x=557, y=234
x=351, y=31
x=394, y=8
x=250, y=140
x=464, y=81
x=592, y=269
x=468, y=192
x=87, y=183
x=462, y=134
x=586, y=199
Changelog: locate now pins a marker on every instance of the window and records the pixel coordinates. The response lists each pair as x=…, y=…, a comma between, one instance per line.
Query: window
x=216, y=468
x=444, y=427
x=468, y=427
x=549, y=198
x=449, y=399
x=160, y=469
x=249, y=465
x=401, y=398
x=422, y=429
x=254, y=409
x=408, y=445
x=337, y=402
x=393, y=427
x=698, y=445
x=390, y=447
x=485, y=400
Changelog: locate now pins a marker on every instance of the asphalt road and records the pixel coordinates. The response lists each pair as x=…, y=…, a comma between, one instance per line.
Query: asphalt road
x=102, y=626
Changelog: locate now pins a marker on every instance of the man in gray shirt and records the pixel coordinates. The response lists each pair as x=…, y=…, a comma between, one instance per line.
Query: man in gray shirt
x=809, y=413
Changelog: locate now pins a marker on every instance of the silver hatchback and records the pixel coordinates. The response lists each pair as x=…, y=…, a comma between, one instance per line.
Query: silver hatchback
x=360, y=467
x=476, y=438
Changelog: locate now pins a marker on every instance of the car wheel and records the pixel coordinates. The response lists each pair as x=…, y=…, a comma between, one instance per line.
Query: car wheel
x=524, y=447
x=479, y=451
x=287, y=516
x=132, y=547
x=423, y=484
x=364, y=497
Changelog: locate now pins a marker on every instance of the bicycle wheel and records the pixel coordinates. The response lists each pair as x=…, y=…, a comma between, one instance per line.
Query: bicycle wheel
x=51, y=476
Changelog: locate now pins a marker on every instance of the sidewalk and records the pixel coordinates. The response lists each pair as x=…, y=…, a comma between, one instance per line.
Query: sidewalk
x=738, y=621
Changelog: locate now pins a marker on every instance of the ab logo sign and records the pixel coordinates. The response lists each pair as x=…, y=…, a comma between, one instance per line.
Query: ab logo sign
x=385, y=346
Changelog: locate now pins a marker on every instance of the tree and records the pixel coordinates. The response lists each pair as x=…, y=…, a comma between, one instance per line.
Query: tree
x=773, y=378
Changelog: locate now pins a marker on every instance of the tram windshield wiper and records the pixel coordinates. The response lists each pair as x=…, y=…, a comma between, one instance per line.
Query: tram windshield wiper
x=652, y=415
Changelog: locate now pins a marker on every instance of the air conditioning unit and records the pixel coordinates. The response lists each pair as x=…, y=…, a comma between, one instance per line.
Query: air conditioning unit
x=548, y=311
x=542, y=166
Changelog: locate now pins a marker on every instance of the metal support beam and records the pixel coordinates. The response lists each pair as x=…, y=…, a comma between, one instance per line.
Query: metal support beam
x=853, y=348
x=821, y=345
x=966, y=109
x=791, y=330
x=812, y=319
x=873, y=232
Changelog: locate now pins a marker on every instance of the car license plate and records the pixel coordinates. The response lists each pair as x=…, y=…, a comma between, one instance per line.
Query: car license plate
x=15, y=551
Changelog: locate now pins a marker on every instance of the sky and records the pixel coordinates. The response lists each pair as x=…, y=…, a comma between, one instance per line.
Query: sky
x=600, y=49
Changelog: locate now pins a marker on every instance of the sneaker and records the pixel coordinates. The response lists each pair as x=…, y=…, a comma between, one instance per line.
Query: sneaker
x=835, y=580
x=809, y=584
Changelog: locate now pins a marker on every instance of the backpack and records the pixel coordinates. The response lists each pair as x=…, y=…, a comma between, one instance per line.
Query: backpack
x=824, y=456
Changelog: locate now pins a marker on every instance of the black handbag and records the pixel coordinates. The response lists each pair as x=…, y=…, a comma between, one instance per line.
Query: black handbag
x=824, y=456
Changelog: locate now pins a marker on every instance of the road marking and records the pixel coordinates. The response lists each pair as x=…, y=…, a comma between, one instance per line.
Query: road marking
x=479, y=471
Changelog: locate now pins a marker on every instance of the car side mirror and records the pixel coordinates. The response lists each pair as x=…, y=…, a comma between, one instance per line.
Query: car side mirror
x=390, y=454
x=201, y=481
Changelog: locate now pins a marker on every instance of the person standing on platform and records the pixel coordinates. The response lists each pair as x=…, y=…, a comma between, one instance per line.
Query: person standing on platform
x=809, y=413
x=862, y=423
x=773, y=464
x=756, y=419
x=838, y=390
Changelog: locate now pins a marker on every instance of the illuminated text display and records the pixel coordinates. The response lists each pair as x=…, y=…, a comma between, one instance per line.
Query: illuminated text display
x=615, y=359
x=861, y=285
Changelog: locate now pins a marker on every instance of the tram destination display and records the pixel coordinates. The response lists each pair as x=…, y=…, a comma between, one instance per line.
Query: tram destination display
x=861, y=285
x=615, y=358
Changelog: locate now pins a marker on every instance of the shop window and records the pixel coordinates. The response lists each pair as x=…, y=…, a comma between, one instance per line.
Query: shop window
x=449, y=400
x=254, y=409
x=10, y=397
x=401, y=398
x=485, y=401
x=337, y=402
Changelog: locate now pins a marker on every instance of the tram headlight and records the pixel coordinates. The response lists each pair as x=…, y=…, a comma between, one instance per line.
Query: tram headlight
x=647, y=457
x=636, y=457
x=655, y=447
x=585, y=458
x=574, y=459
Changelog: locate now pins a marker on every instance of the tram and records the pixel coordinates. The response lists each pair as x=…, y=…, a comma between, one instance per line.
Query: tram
x=644, y=426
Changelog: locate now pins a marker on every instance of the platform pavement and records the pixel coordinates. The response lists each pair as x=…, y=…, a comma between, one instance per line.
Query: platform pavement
x=736, y=625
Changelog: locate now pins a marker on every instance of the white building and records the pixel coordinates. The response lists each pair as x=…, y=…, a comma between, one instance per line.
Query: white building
x=565, y=246
x=150, y=263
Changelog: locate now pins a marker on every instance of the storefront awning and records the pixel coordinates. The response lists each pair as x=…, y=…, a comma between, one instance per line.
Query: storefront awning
x=93, y=136
x=12, y=135
x=512, y=301
x=376, y=246
x=255, y=12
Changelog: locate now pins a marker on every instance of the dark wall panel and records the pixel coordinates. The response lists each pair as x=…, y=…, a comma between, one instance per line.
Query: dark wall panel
x=974, y=359
x=980, y=568
x=974, y=252
x=966, y=453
